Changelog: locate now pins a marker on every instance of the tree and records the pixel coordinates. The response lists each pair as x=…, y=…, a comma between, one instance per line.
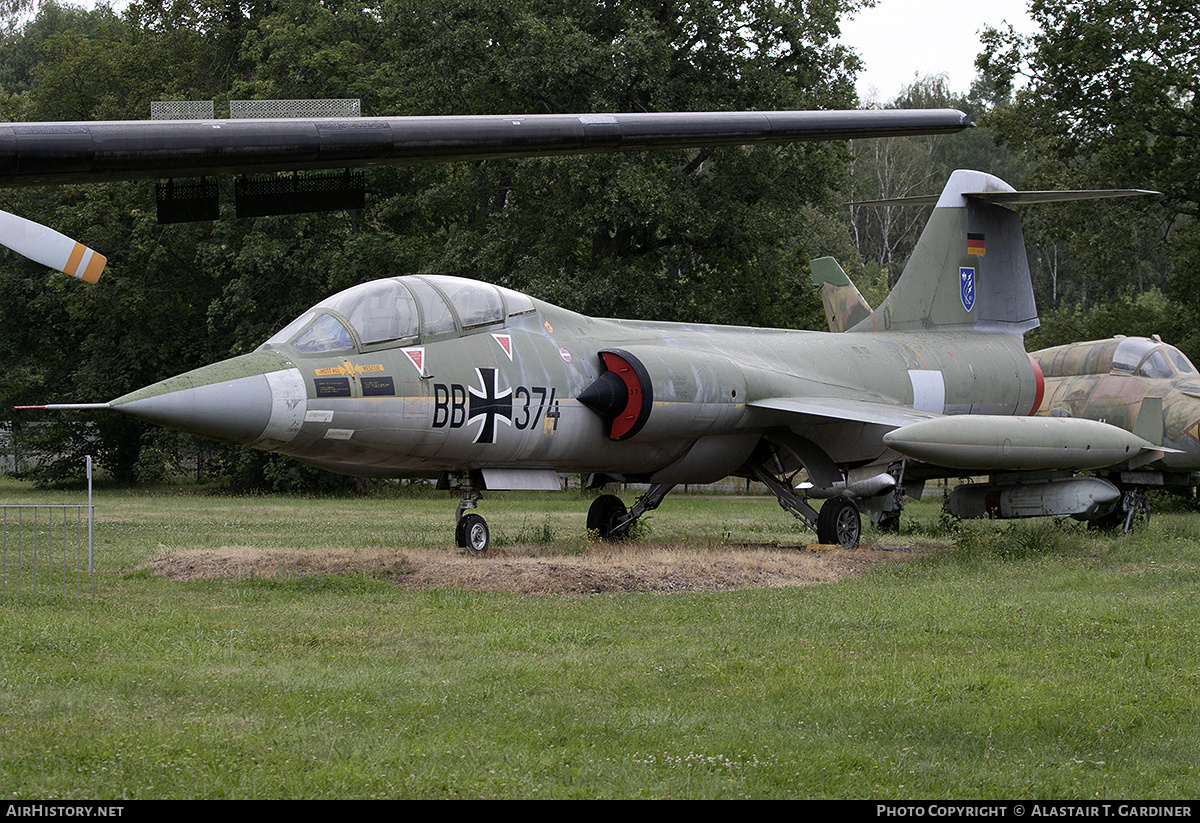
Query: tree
x=1110, y=99
x=714, y=235
x=899, y=167
x=709, y=235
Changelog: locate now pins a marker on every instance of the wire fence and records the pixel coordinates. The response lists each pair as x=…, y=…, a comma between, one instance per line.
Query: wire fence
x=48, y=550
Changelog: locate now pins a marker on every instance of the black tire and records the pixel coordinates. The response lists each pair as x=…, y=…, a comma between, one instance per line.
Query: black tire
x=839, y=523
x=472, y=534
x=604, y=517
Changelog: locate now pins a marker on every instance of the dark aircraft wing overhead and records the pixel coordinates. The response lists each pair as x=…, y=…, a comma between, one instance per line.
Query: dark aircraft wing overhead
x=34, y=154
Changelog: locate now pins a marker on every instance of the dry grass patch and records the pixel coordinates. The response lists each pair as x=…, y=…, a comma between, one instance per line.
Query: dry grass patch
x=236, y=562
x=629, y=567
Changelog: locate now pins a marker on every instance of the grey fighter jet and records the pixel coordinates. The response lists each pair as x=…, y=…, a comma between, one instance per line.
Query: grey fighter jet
x=487, y=388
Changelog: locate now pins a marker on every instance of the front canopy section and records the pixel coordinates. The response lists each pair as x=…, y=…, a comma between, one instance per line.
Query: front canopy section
x=1130, y=356
x=1151, y=358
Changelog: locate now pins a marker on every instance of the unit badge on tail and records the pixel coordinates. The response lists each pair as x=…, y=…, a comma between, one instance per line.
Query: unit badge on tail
x=966, y=286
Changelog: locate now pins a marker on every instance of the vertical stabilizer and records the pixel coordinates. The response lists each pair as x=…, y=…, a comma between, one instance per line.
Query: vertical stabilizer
x=968, y=271
x=844, y=305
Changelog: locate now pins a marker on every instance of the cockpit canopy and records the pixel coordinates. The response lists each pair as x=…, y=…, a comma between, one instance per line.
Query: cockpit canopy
x=401, y=311
x=1139, y=356
x=1151, y=358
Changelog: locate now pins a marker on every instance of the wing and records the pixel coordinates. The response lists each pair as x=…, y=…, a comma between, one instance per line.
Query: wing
x=53, y=153
x=982, y=442
x=33, y=154
x=856, y=411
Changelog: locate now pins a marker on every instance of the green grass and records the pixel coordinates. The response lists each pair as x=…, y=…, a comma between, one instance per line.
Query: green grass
x=1017, y=661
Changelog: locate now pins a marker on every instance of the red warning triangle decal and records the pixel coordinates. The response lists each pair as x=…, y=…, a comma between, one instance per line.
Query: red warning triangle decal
x=417, y=358
x=505, y=341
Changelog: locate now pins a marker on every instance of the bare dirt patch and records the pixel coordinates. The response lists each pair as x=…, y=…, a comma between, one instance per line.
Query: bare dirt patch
x=634, y=567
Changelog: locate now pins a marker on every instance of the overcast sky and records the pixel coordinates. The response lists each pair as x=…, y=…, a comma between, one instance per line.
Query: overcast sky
x=900, y=40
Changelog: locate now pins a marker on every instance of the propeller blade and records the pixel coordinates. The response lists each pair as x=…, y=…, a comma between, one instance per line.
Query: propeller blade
x=50, y=248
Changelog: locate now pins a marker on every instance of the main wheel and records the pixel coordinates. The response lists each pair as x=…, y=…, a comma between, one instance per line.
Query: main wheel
x=472, y=533
x=604, y=518
x=839, y=523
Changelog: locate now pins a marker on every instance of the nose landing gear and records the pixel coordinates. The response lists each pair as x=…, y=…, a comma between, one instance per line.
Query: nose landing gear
x=470, y=530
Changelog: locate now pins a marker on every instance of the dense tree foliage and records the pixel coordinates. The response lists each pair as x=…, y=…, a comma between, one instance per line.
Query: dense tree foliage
x=1106, y=94
x=718, y=235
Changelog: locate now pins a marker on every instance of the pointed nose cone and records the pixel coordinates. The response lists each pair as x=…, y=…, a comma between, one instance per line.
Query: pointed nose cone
x=255, y=400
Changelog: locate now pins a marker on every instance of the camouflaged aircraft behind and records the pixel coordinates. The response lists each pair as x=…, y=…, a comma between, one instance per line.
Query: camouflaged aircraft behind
x=487, y=388
x=1138, y=384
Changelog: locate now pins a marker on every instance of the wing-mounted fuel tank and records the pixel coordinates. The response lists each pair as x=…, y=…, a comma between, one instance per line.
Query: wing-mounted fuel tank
x=653, y=392
x=1083, y=498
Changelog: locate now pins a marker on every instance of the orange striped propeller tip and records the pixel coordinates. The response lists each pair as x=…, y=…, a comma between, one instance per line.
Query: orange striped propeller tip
x=44, y=245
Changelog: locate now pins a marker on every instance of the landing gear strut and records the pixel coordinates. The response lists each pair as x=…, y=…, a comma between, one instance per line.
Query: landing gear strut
x=610, y=521
x=1136, y=505
x=470, y=530
x=838, y=523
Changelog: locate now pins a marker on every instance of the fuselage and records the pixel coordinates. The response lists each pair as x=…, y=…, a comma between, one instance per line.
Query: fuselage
x=425, y=374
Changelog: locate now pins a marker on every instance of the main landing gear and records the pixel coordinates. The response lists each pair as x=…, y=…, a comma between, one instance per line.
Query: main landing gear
x=839, y=522
x=1132, y=512
x=611, y=522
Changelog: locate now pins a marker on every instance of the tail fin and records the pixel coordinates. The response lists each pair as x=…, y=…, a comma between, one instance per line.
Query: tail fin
x=844, y=306
x=969, y=271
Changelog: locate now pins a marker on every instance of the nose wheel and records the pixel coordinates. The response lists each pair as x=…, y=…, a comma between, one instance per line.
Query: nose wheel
x=472, y=533
x=471, y=530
